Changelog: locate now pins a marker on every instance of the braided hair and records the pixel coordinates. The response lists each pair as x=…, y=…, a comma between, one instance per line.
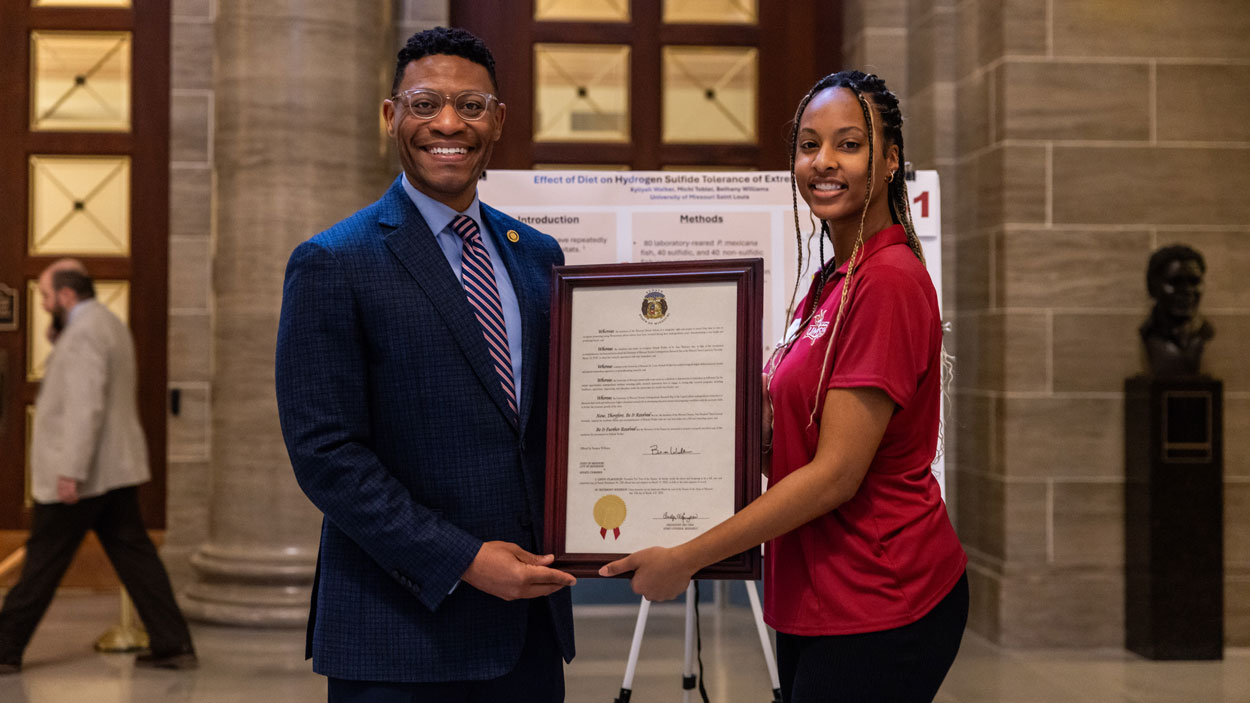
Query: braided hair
x=871, y=92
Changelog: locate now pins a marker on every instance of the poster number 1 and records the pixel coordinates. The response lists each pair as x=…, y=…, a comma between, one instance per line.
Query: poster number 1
x=923, y=199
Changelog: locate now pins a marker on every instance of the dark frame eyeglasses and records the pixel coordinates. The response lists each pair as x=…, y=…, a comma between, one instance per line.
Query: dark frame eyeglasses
x=426, y=104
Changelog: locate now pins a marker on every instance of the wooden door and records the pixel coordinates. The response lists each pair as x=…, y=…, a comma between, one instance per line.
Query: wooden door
x=84, y=164
x=650, y=84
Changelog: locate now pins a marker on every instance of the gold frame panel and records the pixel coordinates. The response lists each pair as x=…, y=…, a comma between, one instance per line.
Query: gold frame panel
x=544, y=54
x=40, y=171
x=48, y=122
x=712, y=90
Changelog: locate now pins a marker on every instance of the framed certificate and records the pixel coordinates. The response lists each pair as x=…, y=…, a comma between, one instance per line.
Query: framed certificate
x=654, y=408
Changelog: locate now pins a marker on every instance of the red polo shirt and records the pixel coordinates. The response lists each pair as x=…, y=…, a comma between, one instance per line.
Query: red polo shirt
x=884, y=558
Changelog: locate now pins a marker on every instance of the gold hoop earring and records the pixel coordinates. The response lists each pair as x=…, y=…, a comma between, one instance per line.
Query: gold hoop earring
x=889, y=177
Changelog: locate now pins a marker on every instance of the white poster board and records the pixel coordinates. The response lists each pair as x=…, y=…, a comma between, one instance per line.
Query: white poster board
x=618, y=216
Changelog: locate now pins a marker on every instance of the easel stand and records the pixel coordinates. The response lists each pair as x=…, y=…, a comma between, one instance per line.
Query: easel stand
x=688, y=680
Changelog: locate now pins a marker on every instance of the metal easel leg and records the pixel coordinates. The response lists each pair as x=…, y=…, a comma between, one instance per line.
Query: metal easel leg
x=627, y=686
x=688, y=680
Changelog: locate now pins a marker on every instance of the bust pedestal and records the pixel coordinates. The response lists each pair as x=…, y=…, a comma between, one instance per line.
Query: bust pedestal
x=1174, y=517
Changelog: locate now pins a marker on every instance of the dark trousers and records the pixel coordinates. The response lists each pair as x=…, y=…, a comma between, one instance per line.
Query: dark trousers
x=56, y=531
x=538, y=676
x=902, y=665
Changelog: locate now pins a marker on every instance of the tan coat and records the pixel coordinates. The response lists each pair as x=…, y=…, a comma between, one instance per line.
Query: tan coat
x=86, y=416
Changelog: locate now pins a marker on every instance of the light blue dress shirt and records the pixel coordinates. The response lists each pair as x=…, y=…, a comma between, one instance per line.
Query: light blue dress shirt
x=439, y=216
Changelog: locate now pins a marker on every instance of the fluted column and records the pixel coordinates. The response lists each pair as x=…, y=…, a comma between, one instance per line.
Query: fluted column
x=297, y=147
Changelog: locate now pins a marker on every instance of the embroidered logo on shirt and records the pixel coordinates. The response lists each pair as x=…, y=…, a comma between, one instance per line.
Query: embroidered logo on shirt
x=817, y=327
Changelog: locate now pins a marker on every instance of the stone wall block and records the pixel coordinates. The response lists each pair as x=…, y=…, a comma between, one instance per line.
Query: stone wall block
x=1042, y=99
x=1088, y=523
x=191, y=54
x=1191, y=29
x=1024, y=521
x=980, y=514
x=1049, y=437
x=1189, y=100
x=190, y=272
x=189, y=438
x=1227, y=255
x=1095, y=352
x=1225, y=355
x=1236, y=437
x=190, y=344
x=1072, y=269
x=976, y=424
x=1082, y=607
x=191, y=201
x=189, y=124
x=1151, y=185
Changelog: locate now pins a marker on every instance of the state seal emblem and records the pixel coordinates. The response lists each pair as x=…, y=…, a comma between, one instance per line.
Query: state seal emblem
x=654, y=307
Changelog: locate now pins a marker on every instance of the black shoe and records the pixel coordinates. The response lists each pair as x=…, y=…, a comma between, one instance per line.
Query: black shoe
x=6, y=669
x=176, y=660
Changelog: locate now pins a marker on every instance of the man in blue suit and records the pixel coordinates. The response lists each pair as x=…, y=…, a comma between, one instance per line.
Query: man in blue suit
x=412, y=389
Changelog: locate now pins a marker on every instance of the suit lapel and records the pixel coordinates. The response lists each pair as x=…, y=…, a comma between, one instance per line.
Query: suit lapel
x=413, y=244
x=499, y=224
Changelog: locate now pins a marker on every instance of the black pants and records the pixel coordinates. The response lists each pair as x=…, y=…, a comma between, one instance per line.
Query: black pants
x=56, y=531
x=903, y=665
x=538, y=676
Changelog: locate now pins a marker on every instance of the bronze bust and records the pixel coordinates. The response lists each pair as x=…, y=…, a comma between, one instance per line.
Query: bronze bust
x=1175, y=333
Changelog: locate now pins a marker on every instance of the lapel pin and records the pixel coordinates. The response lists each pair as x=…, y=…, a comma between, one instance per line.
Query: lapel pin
x=513, y=236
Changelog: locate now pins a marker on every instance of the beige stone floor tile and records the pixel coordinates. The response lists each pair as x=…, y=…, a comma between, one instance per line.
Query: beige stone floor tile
x=238, y=664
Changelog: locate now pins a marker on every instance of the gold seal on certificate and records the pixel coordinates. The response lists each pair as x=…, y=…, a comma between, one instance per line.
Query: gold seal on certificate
x=609, y=514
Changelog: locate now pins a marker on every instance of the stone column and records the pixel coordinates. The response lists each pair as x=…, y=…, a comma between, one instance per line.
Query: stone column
x=297, y=147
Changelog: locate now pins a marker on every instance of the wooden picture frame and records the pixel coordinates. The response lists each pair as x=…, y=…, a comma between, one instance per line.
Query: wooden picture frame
x=654, y=397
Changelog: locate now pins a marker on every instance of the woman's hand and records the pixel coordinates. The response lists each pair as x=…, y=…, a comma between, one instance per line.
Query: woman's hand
x=660, y=573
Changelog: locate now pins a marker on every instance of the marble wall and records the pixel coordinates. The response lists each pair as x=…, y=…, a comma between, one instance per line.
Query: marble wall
x=1083, y=138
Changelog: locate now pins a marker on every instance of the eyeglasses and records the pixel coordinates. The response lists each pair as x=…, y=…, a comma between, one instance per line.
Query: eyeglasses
x=427, y=104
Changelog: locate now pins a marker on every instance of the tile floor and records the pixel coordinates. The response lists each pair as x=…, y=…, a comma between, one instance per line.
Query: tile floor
x=238, y=665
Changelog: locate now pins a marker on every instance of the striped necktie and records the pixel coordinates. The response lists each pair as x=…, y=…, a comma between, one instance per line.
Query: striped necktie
x=479, y=286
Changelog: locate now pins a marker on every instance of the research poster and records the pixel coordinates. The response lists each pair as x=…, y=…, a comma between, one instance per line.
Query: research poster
x=637, y=216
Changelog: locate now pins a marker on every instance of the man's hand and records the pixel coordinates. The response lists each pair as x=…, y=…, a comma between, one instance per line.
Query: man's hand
x=505, y=570
x=67, y=490
x=659, y=572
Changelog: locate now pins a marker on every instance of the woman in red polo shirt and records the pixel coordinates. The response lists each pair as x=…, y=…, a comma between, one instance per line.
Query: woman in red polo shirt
x=865, y=579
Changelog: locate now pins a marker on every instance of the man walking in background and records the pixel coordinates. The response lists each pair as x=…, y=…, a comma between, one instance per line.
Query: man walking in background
x=88, y=457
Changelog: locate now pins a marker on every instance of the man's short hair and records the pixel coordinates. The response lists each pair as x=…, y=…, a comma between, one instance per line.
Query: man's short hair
x=450, y=41
x=79, y=282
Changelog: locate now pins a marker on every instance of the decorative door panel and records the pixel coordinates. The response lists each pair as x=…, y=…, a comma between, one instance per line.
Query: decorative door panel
x=84, y=167
x=653, y=84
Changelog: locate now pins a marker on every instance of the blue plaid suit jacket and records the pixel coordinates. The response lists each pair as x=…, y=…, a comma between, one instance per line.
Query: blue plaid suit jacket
x=397, y=430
